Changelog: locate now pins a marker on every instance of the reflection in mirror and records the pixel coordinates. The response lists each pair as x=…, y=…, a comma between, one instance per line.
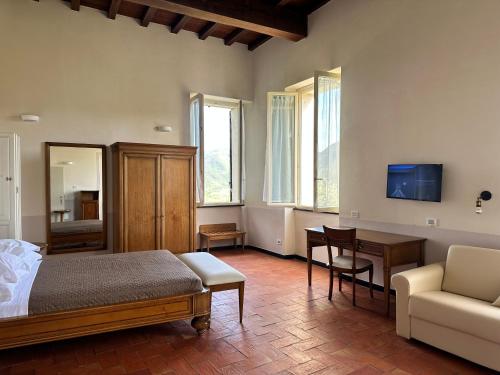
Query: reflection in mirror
x=76, y=201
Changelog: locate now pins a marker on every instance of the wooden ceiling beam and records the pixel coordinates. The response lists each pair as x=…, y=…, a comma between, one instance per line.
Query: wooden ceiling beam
x=179, y=23
x=207, y=30
x=282, y=3
x=261, y=16
x=113, y=8
x=258, y=42
x=75, y=5
x=148, y=16
x=234, y=36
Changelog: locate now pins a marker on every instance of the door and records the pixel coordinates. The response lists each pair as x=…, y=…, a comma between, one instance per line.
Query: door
x=177, y=187
x=10, y=204
x=140, y=202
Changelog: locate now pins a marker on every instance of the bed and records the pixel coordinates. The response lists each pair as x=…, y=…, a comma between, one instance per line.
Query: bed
x=77, y=234
x=70, y=297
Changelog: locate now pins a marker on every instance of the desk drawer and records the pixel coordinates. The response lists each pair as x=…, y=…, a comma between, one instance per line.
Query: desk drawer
x=371, y=248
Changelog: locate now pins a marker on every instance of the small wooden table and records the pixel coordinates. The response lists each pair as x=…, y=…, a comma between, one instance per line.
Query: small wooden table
x=396, y=250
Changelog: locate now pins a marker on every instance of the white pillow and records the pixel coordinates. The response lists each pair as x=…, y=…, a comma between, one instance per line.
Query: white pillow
x=17, y=246
x=6, y=291
x=497, y=302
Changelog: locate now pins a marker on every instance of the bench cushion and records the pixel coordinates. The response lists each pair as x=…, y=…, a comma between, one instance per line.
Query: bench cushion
x=212, y=271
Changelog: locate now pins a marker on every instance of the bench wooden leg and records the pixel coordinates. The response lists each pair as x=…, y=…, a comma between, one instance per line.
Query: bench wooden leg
x=241, y=292
x=208, y=245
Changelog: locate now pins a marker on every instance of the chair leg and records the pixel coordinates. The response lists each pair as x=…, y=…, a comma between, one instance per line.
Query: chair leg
x=370, y=272
x=241, y=292
x=354, y=289
x=330, y=289
x=243, y=243
x=340, y=281
x=208, y=245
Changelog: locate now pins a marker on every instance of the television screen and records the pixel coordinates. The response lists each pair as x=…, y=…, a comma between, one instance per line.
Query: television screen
x=421, y=182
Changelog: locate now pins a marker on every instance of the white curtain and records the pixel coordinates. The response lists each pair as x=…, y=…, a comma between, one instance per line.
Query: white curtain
x=327, y=146
x=195, y=115
x=282, y=150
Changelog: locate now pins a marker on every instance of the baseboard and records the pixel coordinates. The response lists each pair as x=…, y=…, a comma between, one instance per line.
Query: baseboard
x=380, y=288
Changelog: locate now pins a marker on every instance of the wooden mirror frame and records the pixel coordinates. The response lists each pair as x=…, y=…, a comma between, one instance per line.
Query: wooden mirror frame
x=48, y=211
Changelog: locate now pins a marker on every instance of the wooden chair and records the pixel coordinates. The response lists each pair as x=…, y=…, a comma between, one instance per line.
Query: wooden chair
x=342, y=238
x=220, y=232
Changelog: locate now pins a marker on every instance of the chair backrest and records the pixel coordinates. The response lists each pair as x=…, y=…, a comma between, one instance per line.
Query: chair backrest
x=211, y=228
x=341, y=238
x=473, y=272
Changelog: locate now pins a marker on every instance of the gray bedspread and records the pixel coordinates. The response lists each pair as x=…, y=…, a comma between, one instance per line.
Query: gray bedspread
x=90, y=281
x=76, y=226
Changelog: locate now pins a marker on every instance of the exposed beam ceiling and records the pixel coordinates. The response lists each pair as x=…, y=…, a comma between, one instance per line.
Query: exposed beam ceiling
x=263, y=17
x=249, y=22
x=258, y=42
x=148, y=16
x=234, y=36
x=207, y=30
x=179, y=24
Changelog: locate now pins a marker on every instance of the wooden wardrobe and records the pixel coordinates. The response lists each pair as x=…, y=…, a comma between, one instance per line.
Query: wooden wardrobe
x=154, y=199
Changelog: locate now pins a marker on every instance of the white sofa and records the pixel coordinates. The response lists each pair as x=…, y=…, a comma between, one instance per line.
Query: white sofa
x=450, y=305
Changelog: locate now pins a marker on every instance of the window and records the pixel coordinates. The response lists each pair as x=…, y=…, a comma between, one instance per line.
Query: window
x=216, y=128
x=303, y=145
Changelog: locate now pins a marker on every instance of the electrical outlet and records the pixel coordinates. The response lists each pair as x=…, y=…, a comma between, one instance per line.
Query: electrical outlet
x=355, y=214
x=278, y=242
x=431, y=222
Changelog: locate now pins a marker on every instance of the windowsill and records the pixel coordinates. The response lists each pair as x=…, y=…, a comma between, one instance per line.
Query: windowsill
x=316, y=212
x=220, y=205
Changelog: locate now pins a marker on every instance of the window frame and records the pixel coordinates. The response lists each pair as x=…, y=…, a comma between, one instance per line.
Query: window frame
x=225, y=103
x=298, y=90
x=317, y=74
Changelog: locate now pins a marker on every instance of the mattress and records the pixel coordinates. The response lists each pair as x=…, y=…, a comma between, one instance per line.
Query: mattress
x=90, y=281
x=76, y=226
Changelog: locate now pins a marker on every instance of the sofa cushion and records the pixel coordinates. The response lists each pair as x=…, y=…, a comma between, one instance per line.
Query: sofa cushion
x=473, y=272
x=465, y=314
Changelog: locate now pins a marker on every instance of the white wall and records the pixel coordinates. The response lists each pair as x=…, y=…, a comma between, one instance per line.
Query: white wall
x=96, y=80
x=420, y=83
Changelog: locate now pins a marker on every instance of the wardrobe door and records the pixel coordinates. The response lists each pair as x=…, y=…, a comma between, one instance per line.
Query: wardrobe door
x=177, y=188
x=140, y=202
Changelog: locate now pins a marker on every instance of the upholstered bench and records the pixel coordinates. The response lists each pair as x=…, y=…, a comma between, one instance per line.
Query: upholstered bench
x=215, y=274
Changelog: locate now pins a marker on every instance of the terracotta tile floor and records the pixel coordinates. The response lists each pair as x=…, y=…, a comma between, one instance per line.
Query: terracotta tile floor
x=288, y=328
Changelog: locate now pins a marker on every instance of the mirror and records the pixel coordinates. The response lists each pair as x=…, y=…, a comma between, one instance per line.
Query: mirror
x=75, y=197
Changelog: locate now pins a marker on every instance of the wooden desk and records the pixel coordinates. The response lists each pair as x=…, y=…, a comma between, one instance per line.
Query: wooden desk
x=396, y=250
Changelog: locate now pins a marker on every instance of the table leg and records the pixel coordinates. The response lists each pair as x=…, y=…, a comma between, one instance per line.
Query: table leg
x=309, y=263
x=421, y=257
x=387, y=289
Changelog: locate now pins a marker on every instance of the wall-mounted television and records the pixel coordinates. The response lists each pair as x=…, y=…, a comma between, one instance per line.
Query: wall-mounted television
x=420, y=182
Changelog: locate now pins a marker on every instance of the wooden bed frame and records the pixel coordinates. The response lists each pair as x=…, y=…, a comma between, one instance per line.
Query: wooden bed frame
x=20, y=331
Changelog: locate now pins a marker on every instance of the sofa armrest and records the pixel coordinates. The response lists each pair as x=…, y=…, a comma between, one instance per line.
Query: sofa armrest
x=422, y=279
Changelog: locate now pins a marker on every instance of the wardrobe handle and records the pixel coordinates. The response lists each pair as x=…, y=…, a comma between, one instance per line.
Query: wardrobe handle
x=8, y=178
